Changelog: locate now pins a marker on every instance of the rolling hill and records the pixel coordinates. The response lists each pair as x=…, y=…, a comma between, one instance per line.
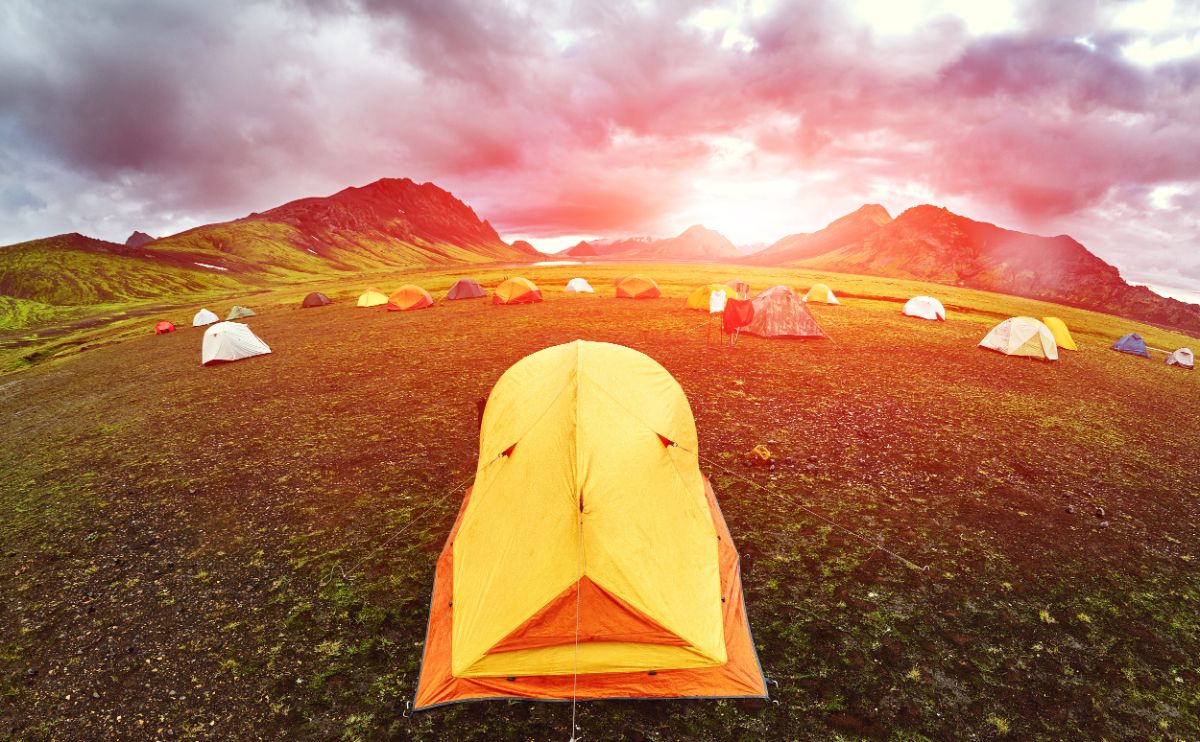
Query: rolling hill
x=696, y=243
x=930, y=243
x=391, y=223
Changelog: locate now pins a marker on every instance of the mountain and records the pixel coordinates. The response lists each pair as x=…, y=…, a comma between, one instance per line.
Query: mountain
x=844, y=231
x=606, y=248
x=74, y=270
x=137, y=239
x=527, y=248
x=695, y=243
x=930, y=243
x=391, y=223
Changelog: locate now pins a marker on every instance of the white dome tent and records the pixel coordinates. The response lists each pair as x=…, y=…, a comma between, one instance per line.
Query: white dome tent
x=1022, y=336
x=925, y=307
x=579, y=286
x=1184, y=358
x=230, y=341
x=204, y=317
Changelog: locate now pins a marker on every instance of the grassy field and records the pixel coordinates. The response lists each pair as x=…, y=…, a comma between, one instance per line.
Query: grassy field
x=194, y=553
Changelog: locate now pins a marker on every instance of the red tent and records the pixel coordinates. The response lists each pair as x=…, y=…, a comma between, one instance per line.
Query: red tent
x=163, y=327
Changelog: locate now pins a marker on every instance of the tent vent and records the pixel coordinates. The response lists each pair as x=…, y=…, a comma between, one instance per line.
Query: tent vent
x=667, y=442
x=508, y=451
x=652, y=672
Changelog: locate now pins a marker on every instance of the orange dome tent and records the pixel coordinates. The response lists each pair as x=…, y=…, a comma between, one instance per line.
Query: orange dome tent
x=516, y=291
x=590, y=558
x=408, y=297
x=637, y=287
x=163, y=327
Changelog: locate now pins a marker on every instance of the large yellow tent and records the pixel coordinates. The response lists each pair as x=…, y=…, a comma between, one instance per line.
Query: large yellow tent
x=372, y=298
x=1062, y=336
x=699, y=298
x=590, y=558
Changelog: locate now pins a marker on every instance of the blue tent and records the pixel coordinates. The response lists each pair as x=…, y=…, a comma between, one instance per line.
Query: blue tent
x=1132, y=344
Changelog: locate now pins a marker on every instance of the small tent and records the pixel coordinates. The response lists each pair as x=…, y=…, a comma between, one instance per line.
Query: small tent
x=579, y=286
x=230, y=341
x=699, y=299
x=779, y=312
x=372, y=297
x=465, y=288
x=1133, y=345
x=204, y=317
x=409, y=296
x=1184, y=358
x=590, y=558
x=1022, y=336
x=821, y=294
x=163, y=327
x=1062, y=336
x=516, y=291
x=239, y=312
x=637, y=287
x=315, y=299
x=925, y=307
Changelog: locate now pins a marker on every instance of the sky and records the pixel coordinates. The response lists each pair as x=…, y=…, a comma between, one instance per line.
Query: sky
x=563, y=120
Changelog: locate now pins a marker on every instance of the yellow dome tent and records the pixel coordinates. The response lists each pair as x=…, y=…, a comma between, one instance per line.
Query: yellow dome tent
x=821, y=294
x=372, y=298
x=698, y=299
x=589, y=559
x=1022, y=336
x=1062, y=336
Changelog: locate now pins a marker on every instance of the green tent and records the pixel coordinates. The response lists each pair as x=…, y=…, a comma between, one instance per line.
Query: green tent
x=238, y=312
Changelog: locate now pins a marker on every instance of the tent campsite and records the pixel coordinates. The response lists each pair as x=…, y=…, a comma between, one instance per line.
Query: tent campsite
x=1022, y=336
x=637, y=287
x=239, y=312
x=925, y=307
x=516, y=291
x=628, y=588
x=372, y=297
x=820, y=294
x=1183, y=357
x=409, y=296
x=699, y=299
x=579, y=286
x=1133, y=344
x=779, y=312
x=315, y=299
x=1062, y=336
x=204, y=317
x=163, y=327
x=230, y=341
x=465, y=288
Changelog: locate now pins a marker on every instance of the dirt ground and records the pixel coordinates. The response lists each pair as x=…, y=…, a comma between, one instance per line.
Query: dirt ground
x=194, y=553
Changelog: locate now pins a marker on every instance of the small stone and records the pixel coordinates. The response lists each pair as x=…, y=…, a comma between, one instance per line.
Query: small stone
x=1104, y=524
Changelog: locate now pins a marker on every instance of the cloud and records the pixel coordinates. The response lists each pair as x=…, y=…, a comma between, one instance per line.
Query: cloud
x=603, y=118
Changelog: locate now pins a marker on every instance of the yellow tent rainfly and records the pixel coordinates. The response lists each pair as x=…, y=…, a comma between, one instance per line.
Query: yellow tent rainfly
x=589, y=559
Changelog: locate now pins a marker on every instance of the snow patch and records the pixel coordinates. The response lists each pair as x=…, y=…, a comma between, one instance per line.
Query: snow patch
x=214, y=267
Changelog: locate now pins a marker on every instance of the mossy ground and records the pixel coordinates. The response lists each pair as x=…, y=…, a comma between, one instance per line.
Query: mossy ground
x=178, y=545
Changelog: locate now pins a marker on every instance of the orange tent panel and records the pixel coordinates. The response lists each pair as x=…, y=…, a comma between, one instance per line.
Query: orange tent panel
x=740, y=677
x=409, y=297
x=516, y=291
x=637, y=287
